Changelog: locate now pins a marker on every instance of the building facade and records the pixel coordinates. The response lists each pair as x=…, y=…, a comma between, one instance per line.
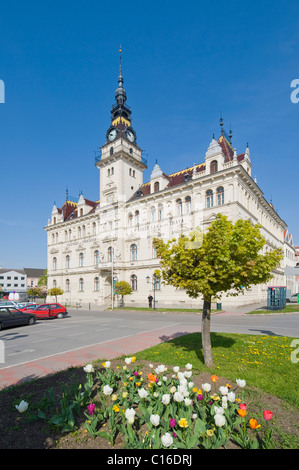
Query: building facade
x=92, y=244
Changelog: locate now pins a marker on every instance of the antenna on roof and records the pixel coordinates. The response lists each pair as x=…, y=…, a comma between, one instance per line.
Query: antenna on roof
x=221, y=123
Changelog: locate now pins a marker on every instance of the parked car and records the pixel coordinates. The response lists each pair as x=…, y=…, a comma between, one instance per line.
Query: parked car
x=293, y=299
x=47, y=311
x=11, y=316
x=8, y=303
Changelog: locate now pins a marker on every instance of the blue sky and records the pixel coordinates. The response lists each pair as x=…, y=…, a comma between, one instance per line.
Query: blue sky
x=184, y=63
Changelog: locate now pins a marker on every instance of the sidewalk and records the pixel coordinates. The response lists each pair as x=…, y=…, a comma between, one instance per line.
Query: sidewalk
x=111, y=349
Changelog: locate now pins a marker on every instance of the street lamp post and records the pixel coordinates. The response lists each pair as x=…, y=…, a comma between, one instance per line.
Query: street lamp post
x=154, y=283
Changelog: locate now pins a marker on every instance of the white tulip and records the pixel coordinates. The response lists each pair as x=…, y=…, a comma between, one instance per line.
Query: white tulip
x=165, y=399
x=107, y=390
x=206, y=387
x=107, y=364
x=155, y=420
x=223, y=390
x=172, y=389
x=88, y=368
x=130, y=415
x=181, y=375
x=128, y=360
x=22, y=406
x=167, y=439
x=187, y=401
x=176, y=369
x=188, y=366
x=218, y=410
x=190, y=384
x=219, y=419
x=231, y=397
x=178, y=397
x=241, y=383
x=142, y=393
x=188, y=374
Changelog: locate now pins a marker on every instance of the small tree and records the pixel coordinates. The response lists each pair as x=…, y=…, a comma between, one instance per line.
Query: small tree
x=122, y=288
x=43, y=280
x=35, y=292
x=55, y=291
x=227, y=259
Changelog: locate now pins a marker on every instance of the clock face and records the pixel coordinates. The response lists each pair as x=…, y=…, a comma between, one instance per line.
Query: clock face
x=130, y=136
x=112, y=134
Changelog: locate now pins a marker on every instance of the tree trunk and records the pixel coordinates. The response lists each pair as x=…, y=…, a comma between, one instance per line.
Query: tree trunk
x=205, y=333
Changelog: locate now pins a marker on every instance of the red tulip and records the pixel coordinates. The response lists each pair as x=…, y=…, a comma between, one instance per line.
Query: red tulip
x=242, y=406
x=267, y=414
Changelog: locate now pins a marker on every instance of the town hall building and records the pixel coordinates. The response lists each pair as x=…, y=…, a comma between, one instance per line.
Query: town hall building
x=93, y=244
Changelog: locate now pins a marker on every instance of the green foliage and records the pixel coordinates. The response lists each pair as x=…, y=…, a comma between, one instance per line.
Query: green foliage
x=122, y=288
x=229, y=259
x=43, y=281
x=55, y=291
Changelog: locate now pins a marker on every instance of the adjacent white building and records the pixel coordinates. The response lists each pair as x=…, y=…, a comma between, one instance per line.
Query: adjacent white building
x=92, y=243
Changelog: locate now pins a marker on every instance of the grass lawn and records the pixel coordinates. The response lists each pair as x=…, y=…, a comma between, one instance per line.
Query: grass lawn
x=287, y=309
x=263, y=361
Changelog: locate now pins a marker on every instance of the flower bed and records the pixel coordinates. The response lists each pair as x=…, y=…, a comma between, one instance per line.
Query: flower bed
x=160, y=409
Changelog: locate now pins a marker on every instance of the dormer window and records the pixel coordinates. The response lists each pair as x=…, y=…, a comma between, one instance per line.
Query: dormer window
x=213, y=166
x=156, y=186
x=111, y=150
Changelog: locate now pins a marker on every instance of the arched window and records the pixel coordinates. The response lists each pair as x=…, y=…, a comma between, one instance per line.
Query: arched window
x=154, y=252
x=134, y=282
x=110, y=254
x=81, y=284
x=136, y=217
x=160, y=212
x=213, y=166
x=79, y=232
x=96, y=283
x=96, y=257
x=67, y=285
x=65, y=235
x=70, y=234
x=81, y=259
x=156, y=186
x=209, y=198
x=111, y=150
x=54, y=283
x=54, y=264
x=133, y=251
x=188, y=204
x=130, y=220
x=67, y=261
x=220, y=196
x=94, y=228
x=153, y=214
x=81, y=211
x=179, y=207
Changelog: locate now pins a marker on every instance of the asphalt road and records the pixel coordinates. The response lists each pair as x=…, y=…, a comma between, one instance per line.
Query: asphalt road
x=88, y=328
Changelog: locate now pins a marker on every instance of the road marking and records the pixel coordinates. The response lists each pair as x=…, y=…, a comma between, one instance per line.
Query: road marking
x=21, y=352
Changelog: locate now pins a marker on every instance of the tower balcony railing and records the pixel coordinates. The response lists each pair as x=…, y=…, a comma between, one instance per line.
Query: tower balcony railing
x=99, y=157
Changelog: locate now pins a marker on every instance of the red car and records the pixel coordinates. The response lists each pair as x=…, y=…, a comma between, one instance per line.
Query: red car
x=46, y=310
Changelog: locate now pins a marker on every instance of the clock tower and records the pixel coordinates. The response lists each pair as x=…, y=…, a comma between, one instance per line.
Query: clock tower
x=121, y=163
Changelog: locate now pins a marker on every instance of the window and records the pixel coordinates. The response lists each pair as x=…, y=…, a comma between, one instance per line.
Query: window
x=67, y=285
x=134, y=282
x=213, y=166
x=188, y=204
x=220, y=196
x=54, y=283
x=130, y=220
x=160, y=212
x=54, y=264
x=96, y=283
x=96, y=257
x=67, y=261
x=156, y=186
x=133, y=251
x=153, y=214
x=136, y=217
x=110, y=254
x=81, y=212
x=154, y=252
x=157, y=283
x=209, y=198
x=81, y=260
x=111, y=151
x=179, y=207
x=81, y=284
x=79, y=232
x=94, y=228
